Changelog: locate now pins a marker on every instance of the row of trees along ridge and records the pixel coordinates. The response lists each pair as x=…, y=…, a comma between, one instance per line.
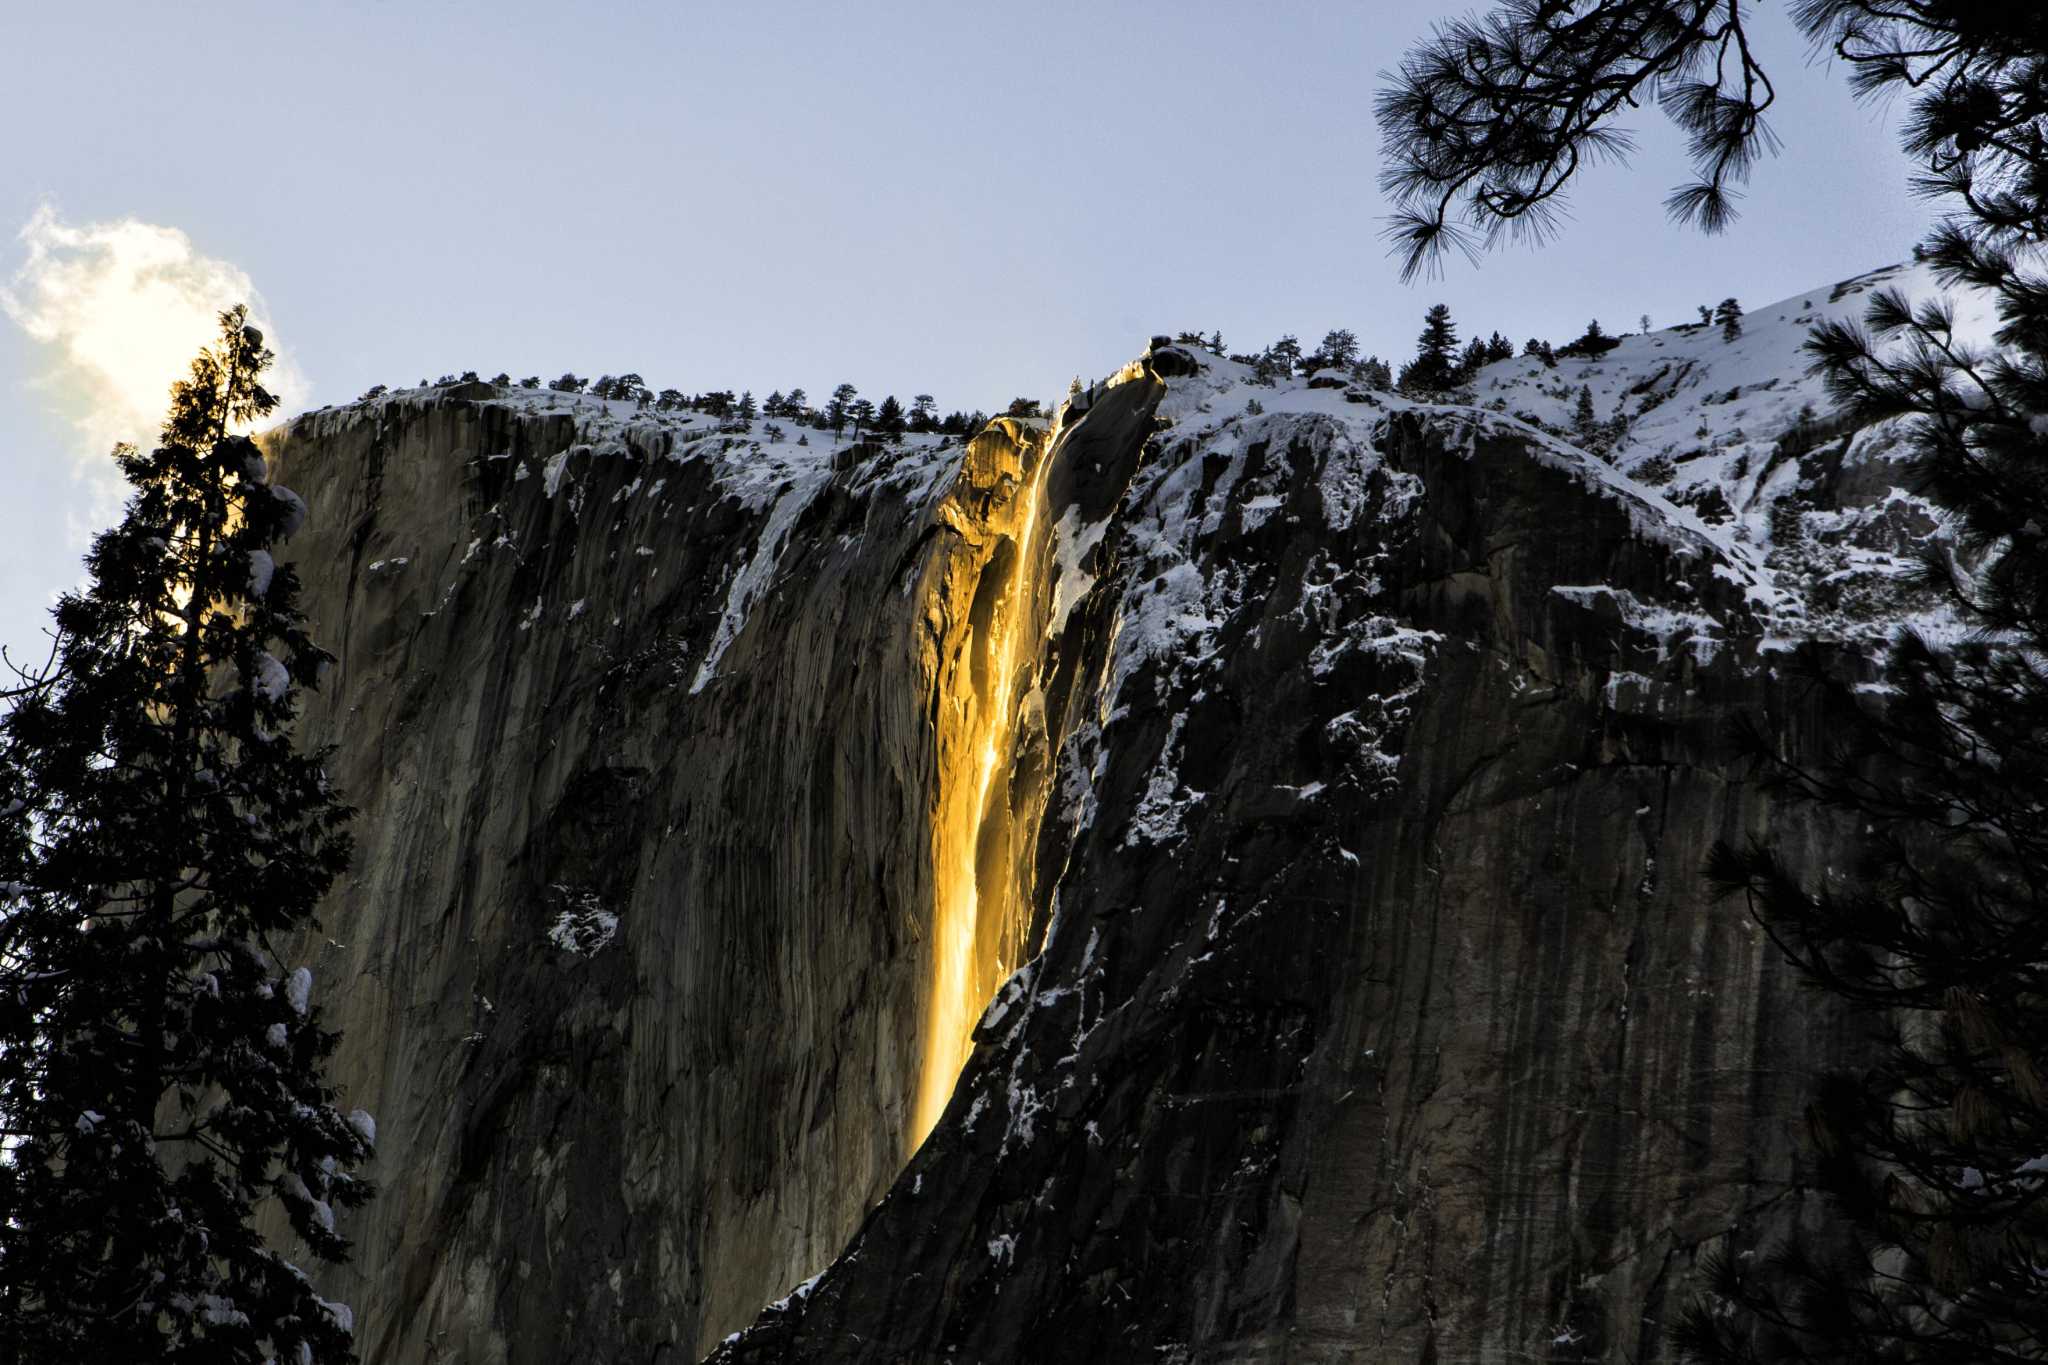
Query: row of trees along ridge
x=845, y=412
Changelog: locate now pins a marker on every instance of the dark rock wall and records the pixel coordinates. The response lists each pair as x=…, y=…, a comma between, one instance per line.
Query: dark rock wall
x=1377, y=1010
x=1414, y=1036
x=1554, y=1069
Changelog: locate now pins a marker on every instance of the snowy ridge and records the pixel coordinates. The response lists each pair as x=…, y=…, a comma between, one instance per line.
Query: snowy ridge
x=1746, y=393
x=754, y=459
x=1224, y=409
x=1219, y=401
x=1710, y=442
x=1724, y=448
x=1741, y=440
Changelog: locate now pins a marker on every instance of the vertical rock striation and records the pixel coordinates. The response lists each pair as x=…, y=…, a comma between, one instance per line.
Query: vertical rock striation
x=644, y=727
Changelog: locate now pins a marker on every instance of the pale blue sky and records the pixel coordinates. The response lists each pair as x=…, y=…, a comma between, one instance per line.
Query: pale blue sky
x=972, y=200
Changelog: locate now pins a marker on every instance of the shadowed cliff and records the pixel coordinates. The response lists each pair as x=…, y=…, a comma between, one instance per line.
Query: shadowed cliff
x=1380, y=1007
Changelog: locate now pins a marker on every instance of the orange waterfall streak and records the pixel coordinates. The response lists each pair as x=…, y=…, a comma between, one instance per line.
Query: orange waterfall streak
x=961, y=985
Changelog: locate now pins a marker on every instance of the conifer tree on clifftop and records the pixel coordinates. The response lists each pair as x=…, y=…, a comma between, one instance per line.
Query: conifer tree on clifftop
x=1728, y=313
x=1934, y=1155
x=1584, y=420
x=1473, y=360
x=161, y=1067
x=1435, y=365
x=889, y=418
x=840, y=407
x=1339, y=349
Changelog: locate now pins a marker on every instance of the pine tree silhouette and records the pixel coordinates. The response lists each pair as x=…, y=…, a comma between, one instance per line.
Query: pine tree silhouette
x=162, y=1068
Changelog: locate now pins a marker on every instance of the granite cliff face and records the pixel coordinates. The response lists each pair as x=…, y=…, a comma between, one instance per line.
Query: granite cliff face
x=1316, y=781
x=610, y=716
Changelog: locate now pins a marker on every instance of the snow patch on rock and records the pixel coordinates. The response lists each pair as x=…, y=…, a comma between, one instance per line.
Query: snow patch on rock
x=583, y=925
x=750, y=578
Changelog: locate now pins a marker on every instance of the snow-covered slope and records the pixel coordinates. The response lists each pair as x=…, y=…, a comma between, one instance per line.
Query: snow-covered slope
x=1741, y=433
x=1732, y=442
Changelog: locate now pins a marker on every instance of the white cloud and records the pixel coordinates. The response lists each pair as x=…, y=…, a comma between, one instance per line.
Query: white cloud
x=120, y=309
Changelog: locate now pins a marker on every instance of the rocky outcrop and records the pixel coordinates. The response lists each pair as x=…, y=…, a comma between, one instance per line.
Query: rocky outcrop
x=1359, y=997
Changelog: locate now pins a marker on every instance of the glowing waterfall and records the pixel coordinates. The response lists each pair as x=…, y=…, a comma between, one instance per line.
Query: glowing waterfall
x=980, y=908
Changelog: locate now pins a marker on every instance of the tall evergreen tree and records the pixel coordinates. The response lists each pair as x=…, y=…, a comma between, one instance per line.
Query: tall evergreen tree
x=1729, y=314
x=162, y=1068
x=1935, y=1153
x=889, y=418
x=1934, y=1150
x=1436, y=349
x=1585, y=421
x=1339, y=348
x=1473, y=360
x=840, y=407
x=1278, y=361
